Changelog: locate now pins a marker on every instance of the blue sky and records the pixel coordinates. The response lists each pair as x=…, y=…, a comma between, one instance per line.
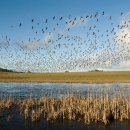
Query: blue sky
x=14, y=12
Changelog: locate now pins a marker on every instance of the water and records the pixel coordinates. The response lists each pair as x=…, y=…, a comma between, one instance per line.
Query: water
x=23, y=90
x=58, y=89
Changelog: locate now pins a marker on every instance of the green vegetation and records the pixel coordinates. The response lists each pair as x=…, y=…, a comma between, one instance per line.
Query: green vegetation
x=71, y=77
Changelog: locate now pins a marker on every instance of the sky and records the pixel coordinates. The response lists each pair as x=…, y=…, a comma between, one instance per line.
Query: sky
x=31, y=46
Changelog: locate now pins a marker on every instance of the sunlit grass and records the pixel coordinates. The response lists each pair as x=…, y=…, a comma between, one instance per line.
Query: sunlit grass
x=71, y=77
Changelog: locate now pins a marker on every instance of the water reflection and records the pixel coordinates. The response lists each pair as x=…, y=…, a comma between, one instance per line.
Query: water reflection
x=60, y=89
x=19, y=123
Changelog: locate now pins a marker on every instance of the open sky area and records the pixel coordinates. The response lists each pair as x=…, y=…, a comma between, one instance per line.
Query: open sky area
x=64, y=35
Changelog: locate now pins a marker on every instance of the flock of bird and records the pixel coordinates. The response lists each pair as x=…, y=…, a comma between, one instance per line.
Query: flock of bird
x=75, y=47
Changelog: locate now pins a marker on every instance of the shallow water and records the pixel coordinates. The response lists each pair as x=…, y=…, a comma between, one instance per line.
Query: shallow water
x=17, y=122
x=57, y=89
x=11, y=119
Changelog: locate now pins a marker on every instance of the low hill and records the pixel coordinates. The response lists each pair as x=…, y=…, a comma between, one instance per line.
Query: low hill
x=5, y=70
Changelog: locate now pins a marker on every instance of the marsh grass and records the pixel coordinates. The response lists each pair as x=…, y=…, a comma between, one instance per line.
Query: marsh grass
x=71, y=77
x=96, y=107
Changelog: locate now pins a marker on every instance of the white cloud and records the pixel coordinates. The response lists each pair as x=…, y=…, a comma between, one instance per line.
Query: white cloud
x=124, y=65
x=47, y=38
x=38, y=43
x=123, y=32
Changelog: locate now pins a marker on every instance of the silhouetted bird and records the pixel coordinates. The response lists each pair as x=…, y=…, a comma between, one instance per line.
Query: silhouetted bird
x=20, y=25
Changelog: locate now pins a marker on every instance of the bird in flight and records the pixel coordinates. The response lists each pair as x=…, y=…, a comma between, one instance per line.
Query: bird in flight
x=32, y=20
x=20, y=25
x=46, y=21
x=60, y=18
x=102, y=13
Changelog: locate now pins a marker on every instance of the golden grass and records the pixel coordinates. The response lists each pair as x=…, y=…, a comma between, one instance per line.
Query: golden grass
x=92, y=107
x=72, y=77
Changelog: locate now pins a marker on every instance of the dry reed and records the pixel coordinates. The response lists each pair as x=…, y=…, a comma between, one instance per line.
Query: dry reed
x=97, y=106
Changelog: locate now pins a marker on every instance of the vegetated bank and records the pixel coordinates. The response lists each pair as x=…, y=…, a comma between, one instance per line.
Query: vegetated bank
x=69, y=77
